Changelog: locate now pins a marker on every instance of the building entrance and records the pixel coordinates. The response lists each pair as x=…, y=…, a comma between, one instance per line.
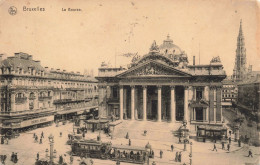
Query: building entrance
x=154, y=109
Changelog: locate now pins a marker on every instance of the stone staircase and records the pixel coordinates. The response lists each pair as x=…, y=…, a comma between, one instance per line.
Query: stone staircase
x=162, y=131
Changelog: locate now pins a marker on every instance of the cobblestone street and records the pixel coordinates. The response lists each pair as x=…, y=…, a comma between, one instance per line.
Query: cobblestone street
x=160, y=139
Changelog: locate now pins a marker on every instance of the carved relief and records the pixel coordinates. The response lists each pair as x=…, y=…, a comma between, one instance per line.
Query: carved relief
x=151, y=70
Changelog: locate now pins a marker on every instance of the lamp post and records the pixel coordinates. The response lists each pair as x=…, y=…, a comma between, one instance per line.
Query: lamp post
x=51, y=140
x=190, y=153
x=99, y=131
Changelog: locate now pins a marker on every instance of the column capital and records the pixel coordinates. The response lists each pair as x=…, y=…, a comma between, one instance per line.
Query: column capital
x=144, y=86
x=132, y=86
x=212, y=87
x=172, y=86
x=159, y=86
x=186, y=87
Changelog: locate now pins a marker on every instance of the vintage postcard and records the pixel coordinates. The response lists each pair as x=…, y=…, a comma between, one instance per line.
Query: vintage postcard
x=154, y=82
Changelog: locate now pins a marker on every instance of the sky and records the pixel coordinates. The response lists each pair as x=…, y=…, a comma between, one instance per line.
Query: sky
x=103, y=30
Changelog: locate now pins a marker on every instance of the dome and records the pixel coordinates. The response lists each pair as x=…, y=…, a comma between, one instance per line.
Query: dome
x=168, y=47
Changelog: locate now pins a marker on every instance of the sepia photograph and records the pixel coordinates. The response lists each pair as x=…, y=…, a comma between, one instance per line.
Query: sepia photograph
x=124, y=82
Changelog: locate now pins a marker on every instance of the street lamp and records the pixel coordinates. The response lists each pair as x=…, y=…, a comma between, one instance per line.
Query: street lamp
x=190, y=153
x=51, y=140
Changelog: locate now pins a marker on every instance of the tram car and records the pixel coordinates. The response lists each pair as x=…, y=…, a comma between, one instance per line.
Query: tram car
x=105, y=150
x=130, y=154
x=91, y=148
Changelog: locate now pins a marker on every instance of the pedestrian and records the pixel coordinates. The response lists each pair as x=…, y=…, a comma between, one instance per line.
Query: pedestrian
x=7, y=140
x=250, y=153
x=34, y=135
x=12, y=157
x=214, y=148
x=172, y=148
x=129, y=143
x=228, y=147
x=2, y=140
x=42, y=135
x=83, y=134
x=229, y=139
x=71, y=159
x=161, y=154
x=229, y=132
x=176, y=156
x=38, y=156
x=179, y=157
x=239, y=143
x=153, y=163
x=60, y=134
x=223, y=146
x=127, y=136
x=40, y=140
x=15, y=158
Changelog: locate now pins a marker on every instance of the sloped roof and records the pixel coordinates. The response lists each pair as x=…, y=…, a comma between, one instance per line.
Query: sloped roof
x=25, y=64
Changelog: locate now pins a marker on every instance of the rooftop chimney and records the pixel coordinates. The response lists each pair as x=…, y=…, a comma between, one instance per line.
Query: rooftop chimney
x=193, y=60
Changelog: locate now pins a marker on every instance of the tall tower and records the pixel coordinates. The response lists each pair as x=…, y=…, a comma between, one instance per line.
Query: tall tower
x=240, y=63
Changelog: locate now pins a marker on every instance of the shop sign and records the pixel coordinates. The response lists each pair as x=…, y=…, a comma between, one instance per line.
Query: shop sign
x=37, y=121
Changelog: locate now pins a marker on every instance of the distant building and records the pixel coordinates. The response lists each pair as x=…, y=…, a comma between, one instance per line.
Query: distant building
x=240, y=62
x=31, y=94
x=229, y=92
x=162, y=86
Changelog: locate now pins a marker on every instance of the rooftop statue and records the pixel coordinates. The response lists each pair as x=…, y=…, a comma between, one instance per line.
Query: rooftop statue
x=154, y=47
x=215, y=60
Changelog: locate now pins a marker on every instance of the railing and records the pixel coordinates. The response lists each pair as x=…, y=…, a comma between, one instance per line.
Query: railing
x=32, y=97
x=42, y=98
x=20, y=100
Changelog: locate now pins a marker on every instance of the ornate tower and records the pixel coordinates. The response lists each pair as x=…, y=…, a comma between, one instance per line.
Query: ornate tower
x=240, y=63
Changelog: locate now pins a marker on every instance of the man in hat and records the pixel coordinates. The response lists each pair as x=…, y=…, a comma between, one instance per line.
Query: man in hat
x=214, y=147
x=161, y=153
x=172, y=148
x=250, y=153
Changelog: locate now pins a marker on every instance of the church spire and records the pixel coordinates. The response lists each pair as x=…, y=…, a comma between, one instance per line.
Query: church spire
x=240, y=62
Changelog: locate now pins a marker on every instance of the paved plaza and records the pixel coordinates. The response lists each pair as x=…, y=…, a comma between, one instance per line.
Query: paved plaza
x=159, y=135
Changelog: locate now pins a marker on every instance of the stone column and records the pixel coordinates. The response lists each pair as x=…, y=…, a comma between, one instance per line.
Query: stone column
x=125, y=100
x=12, y=103
x=173, y=104
x=159, y=112
x=215, y=100
x=121, y=93
x=144, y=102
x=186, y=103
x=132, y=102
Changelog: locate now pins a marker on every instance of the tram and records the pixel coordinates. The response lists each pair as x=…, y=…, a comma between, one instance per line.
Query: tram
x=130, y=154
x=91, y=148
x=105, y=150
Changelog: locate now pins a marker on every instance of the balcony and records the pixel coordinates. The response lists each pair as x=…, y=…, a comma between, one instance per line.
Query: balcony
x=32, y=98
x=20, y=100
x=43, y=98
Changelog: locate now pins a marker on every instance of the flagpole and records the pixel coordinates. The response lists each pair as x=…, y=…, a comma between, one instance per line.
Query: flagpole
x=115, y=58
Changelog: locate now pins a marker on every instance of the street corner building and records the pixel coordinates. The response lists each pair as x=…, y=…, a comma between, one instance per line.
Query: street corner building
x=162, y=86
x=32, y=95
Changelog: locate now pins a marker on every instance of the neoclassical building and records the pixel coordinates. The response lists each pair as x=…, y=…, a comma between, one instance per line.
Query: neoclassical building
x=31, y=94
x=162, y=86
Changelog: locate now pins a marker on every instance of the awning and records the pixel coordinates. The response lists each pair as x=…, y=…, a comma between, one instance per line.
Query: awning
x=212, y=128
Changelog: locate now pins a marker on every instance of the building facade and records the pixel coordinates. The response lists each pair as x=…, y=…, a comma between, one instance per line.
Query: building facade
x=240, y=70
x=229, y=92
x=31, y=94
x=162, y=86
